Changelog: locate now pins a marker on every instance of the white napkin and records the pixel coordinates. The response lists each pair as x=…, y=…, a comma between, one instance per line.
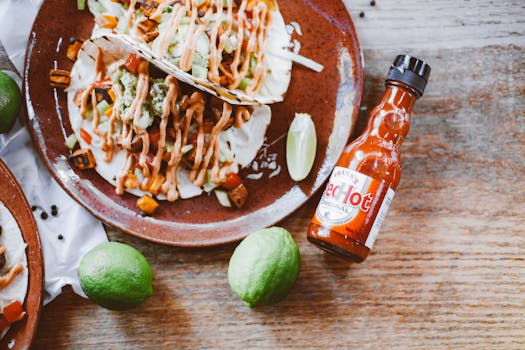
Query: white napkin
x=79, y=230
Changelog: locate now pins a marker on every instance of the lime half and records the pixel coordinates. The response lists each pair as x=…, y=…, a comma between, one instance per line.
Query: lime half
x=264, y=267
x=301, y=145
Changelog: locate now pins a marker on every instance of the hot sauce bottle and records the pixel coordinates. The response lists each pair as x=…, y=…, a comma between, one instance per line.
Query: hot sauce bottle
x=362, y=185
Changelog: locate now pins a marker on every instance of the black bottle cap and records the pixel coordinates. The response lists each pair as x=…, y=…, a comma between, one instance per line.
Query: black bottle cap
x=411, y=71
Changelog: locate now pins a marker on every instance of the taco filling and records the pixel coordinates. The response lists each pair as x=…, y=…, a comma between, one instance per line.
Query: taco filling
x=13, y=271
x=148, y=133
x=236, y=49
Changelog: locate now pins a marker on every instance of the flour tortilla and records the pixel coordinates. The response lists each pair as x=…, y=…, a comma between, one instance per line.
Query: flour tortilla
x=239, y=144
x=279, y=67
x=15, y=253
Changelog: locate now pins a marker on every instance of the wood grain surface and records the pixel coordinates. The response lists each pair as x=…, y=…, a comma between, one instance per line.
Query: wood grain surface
x=448, y=269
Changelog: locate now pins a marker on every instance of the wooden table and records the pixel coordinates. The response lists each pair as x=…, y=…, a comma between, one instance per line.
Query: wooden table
x=448, y=269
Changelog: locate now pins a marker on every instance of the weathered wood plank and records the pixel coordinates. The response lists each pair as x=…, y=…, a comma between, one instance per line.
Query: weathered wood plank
x=448, y=269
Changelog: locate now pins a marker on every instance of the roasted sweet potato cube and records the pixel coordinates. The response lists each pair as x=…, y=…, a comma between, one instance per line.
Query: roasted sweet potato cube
x=59, y=78
x=156, y=184
x=150, y=36
x=238, y=195
x=131, y=181
x=83, y=159
x=147, y=25
x=147, y=7
x=73, y=48
x=106, y=21
x=147, y=204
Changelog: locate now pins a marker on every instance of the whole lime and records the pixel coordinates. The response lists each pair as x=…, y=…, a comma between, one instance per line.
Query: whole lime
x=115, y=276
x=264, y=267
x=10, y=102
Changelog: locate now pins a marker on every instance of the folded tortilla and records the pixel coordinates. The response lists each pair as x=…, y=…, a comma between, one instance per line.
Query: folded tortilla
x=230, y=48
x=15, y=253
x=150, y=133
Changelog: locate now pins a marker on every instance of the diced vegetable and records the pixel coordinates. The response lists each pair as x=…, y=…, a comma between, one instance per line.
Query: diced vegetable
x=222, y=197
x=111, y=94
x=147, y=204
x=81, y=5
x=73, y=48
x=147, y=25
x=59, y=78
x=132, y=63
x=131, y=181
x=156, y=184
x=13, y=312
x=109, y=112
x=106, y=21
x=199, y=72
x=102, y=107
x=186, y=149
x=232, y=181
x=253, y=62
x=71, y=141
x=231, y=44
x=83, y=159
x=244, y=83
x=85, y=136
x=147, y=7
x=150, y=36
x=238, y=195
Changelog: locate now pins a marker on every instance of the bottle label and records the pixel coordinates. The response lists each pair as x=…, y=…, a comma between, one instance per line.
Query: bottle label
x=354, y=205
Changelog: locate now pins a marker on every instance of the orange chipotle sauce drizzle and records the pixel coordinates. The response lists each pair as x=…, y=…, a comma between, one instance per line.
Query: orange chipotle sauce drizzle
x=183, y=111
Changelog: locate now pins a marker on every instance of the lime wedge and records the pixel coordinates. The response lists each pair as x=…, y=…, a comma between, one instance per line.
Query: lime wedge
x=300, y=146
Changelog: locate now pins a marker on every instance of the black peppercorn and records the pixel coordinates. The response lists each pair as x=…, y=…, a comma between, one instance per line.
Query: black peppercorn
x=372, y=3
x=361, y=14
x=60, y=237
x=43, y=215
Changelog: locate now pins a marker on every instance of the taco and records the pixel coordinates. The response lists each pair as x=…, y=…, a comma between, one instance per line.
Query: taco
x=235, y=49
x=13, y=271
x=150, y=134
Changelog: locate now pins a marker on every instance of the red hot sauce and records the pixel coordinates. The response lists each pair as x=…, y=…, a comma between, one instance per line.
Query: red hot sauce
x=361, y=187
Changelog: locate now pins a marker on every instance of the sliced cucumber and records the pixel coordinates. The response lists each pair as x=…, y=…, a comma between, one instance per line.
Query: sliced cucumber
x=199, y=72
x=244, y=83
x=71, y=141
x=186, y=149
x=102, y=107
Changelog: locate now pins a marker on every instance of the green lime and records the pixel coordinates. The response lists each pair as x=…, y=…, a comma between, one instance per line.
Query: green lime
x=264, y=267
x=115, y=276
x=10, y=102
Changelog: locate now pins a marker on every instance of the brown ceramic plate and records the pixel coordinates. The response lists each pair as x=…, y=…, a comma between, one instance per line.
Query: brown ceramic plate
x=13, y=198
x=332, y=98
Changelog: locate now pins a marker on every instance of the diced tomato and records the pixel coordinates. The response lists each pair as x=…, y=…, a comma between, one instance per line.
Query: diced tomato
x=85, y=136
x=232, y=181
x=13, y=311
x=132, y=63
